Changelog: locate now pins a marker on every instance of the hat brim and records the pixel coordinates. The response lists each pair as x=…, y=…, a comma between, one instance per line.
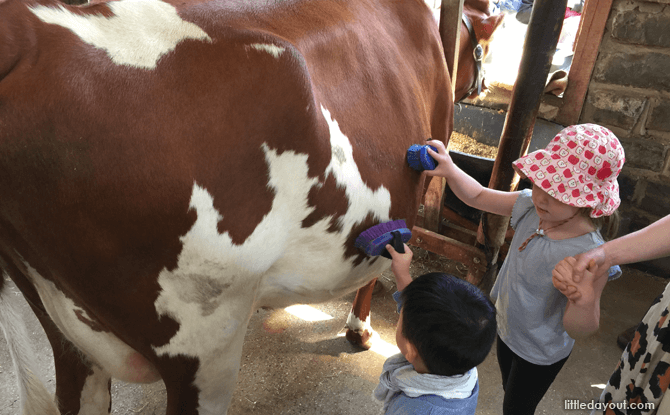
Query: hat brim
x=519, y=171
x=523, y=167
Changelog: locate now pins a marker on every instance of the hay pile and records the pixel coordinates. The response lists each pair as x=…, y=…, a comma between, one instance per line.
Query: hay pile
x=465, y=144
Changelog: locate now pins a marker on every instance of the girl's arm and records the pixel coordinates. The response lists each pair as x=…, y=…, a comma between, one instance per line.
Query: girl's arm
x=468, y=189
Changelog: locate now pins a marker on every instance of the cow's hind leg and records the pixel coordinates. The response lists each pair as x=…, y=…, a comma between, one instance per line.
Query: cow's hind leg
x=35, y=399
x=359, y=332
x=82, y=387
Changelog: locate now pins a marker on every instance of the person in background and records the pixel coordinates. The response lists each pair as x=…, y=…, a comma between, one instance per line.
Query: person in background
x=507, y=6
x=446, y=328
x=575, y=193
x=643, y=373
x=525, y=8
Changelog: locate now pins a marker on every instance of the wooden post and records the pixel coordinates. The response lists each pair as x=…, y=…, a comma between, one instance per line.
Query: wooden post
x=450, y=28
x=451, y=13
x=591, y=26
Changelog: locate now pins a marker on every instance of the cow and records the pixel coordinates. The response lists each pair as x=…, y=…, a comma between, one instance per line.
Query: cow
x=167, y=169
x=477, y=28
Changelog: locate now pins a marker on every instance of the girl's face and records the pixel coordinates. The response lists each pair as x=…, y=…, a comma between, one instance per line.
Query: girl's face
x=550, y=209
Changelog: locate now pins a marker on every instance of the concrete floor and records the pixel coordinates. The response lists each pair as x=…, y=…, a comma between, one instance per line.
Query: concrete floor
x=293, y=366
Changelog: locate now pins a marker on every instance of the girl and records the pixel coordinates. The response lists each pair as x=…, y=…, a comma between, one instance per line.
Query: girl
x=574, y=188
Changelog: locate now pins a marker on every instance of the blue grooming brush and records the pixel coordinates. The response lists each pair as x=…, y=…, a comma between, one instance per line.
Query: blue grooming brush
x=419, y=159
x=374, y=240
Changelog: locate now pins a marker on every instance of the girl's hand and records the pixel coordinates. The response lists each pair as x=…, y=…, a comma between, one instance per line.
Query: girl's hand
x=400, y=266
x=444, y=162
x=563, y=279
x=582, y=289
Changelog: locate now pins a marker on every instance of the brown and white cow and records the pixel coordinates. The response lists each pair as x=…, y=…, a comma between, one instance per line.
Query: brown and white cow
x=166, y=171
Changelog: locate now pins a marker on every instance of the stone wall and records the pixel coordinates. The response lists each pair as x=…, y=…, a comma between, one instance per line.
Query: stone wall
x=629, y=92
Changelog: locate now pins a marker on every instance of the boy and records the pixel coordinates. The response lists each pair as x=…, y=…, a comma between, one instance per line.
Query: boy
x=446, y=328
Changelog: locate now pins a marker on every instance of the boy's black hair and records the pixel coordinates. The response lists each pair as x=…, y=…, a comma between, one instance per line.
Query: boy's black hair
x=451, y=323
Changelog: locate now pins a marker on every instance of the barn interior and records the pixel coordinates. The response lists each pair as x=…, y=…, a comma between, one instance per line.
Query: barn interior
x=297, y=361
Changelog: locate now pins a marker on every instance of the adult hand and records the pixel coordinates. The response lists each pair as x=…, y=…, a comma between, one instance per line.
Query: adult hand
x=594, y=260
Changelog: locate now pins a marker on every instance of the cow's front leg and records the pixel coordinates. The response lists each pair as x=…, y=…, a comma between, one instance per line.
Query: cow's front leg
x=200, y=363
x=359, y=332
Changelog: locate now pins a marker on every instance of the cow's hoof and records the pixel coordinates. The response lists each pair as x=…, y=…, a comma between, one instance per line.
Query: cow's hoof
x=362, y=339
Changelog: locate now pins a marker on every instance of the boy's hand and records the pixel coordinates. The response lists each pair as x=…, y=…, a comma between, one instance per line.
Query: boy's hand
x=444, y=162
x=400, y=266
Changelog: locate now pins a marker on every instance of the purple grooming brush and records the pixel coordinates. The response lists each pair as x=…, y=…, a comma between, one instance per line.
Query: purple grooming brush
x=373, y=241
x=419, y=159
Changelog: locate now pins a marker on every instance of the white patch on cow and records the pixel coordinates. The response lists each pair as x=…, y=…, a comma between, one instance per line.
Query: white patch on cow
x=95, y=397
x=101, y=348
x=362, y=199
x=217, y=284
x=273, y=50
x=139, y=33
x=356, y=324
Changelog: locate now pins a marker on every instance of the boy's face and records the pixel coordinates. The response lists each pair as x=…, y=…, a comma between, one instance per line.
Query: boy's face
x=407, y=349
x=400, y=340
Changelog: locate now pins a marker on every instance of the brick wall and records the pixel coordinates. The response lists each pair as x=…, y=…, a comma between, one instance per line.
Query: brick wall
x=629, y=92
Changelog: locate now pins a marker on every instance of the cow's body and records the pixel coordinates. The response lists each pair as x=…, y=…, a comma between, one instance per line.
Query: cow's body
x=164, y=172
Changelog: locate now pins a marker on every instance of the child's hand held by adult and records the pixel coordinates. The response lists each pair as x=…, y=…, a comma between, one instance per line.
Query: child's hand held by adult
x=563, y=279
x=584, y=290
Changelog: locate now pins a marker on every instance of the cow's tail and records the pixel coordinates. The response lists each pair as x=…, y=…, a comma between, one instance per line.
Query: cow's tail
x=35, y=399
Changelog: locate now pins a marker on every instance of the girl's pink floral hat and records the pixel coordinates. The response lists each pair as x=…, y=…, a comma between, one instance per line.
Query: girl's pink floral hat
x=579, y=167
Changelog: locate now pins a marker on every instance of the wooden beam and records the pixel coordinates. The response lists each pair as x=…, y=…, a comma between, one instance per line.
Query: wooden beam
x=450, y=29
x=453, y=217
x=589, y=38
x=468, y=255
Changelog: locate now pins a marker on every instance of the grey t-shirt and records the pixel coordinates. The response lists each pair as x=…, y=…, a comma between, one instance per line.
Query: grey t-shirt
x=530, y=309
